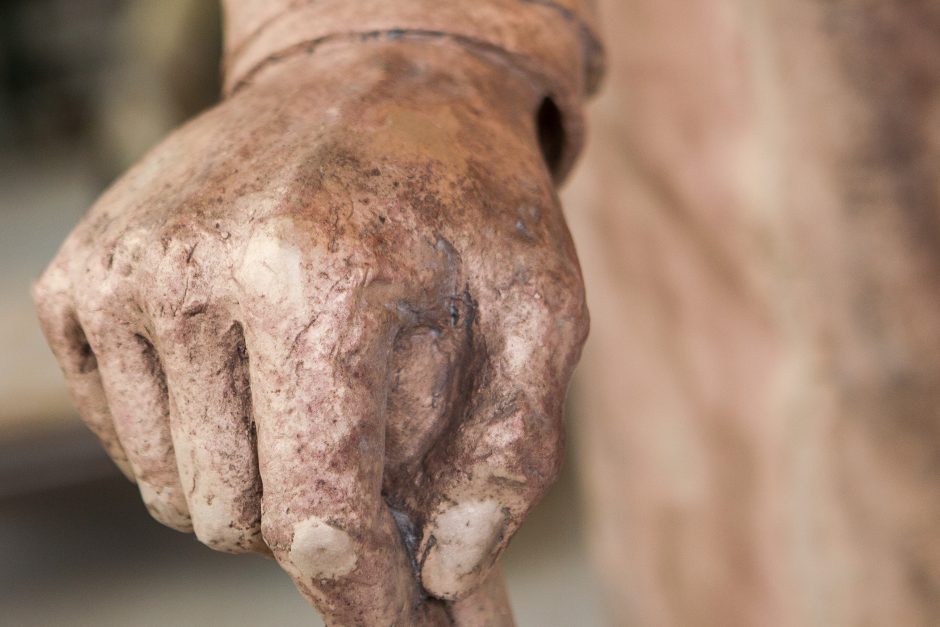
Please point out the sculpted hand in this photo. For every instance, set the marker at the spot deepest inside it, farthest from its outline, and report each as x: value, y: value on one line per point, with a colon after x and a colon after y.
x: 334, y: 320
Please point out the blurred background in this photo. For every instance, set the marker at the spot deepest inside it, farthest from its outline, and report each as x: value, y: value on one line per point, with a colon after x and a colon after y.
x: 87, y: 86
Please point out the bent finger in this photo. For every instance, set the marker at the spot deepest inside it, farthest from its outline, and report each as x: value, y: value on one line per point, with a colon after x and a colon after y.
x: 318, y: 364
x: 507, y: 450
x: 66, y: 338
x: 135, y: 387
x: 213, y: 431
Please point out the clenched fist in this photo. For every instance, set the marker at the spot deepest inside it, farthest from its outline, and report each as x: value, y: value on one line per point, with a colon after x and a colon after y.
x: 333, y: 319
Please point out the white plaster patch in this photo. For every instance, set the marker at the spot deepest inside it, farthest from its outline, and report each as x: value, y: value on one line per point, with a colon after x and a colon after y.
x: 321, y: 551
x: 465, y: 536
x: 273, y: 269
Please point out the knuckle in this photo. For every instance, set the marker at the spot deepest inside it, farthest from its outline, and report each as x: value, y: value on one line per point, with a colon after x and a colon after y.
x: 313, y: 547
x: 96, y: 315
x: 126, y: 254
x: 225, y: 517
x: 544, y: 337
x: 53, y: 300
x: 534, y: 448
x: 174, y: 247
x: 53, y: 318
x: 165, y: 505
x: 466, y: 537
x: 221, y: 533
x: 48, y: 291
x: 559, y: 318
x: 185, y: 282
x: 282, y: 261
x: 561, y: 297
x: 99, y: 300
x: 519, y: 453
x: 271, y: 271
x: 215, y: 534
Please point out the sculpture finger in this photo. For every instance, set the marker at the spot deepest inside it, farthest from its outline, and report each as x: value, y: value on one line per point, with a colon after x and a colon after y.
x: 318, y: 364
x: 206, y: 367
x: 66, y: 338
x: 505, y: 452
x: 135, y: 387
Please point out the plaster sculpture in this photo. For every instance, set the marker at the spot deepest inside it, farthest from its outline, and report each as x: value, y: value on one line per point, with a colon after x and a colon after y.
x: 333, y: 318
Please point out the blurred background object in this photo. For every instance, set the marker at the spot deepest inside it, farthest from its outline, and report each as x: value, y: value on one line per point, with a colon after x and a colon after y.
x: 758, y: 219
x: 86, y: 87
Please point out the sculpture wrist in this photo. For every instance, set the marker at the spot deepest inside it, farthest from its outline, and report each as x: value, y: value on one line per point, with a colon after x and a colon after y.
x: 554, y: 42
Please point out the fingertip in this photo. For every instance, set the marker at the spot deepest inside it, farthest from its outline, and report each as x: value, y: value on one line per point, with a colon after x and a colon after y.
x: 461, y: 544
